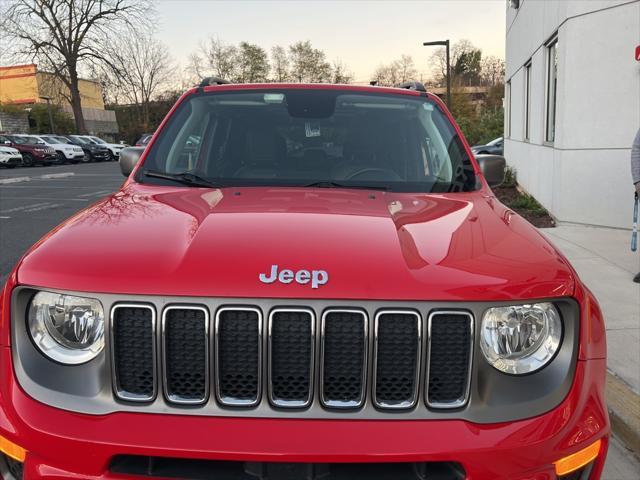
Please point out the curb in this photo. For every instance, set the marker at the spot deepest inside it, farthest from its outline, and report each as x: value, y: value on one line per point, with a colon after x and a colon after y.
x: 4, y: 181
x: 624, y: 412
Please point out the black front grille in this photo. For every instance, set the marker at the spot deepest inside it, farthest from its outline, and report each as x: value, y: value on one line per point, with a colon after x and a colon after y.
x: 189, y: 373
x: 397, y: 357
x: 291, y: 357
x: 343, y: 358
x: 449, y: 355
x: 134, y: 352
x: 186, y: 354
x: 239, y: 341
x: 160, y: 467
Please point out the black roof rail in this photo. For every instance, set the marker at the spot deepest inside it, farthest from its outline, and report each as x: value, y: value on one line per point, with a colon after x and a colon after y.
x: 207, y: 81
x: 413, y: 86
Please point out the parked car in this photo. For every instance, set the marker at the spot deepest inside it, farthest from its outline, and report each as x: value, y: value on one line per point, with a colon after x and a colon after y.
x: 302, y: 282
x: 144, y: 140
x: 494, y: 147
x: 114, y: 148
x: 92, y: 151
x: 33, y: 152
x: 9, y: 157
x: 66, y: 152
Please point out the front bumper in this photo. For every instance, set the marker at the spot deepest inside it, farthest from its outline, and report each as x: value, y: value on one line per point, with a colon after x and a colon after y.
x: 101, y: 155
x: 63, y: 444
x: 10, y: 161
x: 46, y: 158
x: 74, y: 155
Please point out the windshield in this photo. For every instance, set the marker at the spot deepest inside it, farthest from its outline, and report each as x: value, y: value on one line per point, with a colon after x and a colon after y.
x: 50, y: 140
x: 27, y: 140
x: 62, y: 140
x: 307, y: 137
x: 97, y: 140
x: 495, y: 141
x: 83, y: 141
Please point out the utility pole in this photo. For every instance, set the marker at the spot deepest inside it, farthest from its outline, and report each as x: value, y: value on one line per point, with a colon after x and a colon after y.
x: 48, y: 100
x: 444, y: 43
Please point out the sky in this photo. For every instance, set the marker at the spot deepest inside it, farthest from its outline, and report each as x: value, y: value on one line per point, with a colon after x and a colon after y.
x: 363, y: 34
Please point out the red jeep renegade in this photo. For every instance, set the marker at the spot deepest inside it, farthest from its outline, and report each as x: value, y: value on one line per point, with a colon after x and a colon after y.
x: 301, y: 282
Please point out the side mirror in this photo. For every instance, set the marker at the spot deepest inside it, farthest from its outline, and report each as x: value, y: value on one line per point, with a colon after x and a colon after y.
x: 7, y: 142
x: 129, y: 158
x: 493, y: 168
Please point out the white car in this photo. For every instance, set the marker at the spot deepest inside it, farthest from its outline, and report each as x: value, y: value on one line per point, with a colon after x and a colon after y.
x: 66, y: 151
x: 114, y: 148
x: 9, y: 157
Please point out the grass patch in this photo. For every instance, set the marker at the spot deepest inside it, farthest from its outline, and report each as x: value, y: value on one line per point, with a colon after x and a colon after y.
x: 527, y: 202
x: 510, y: 179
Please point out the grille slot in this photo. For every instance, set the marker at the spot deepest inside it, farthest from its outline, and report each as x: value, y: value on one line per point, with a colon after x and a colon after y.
x: 239, y: 352
x: 344, y: 359
x: 397, y: 359
x: 449, y: 361
x: 291, y: 338
x: 186, y: 354
x: 134, y: 352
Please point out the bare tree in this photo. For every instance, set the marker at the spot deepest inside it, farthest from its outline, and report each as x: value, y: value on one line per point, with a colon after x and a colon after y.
x: 216, y: 58
x: 279, y: 64
x: 65, y: 36
x: 492, y: 70
x: 396, y: 72
x: 141, y: 66
x: 340, y: 73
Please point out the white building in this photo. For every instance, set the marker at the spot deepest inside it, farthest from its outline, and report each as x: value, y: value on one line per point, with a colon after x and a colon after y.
x: 572, y: 105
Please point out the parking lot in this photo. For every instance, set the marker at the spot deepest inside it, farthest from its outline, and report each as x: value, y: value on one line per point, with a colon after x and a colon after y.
x: 39, y: 198
x: 35, y: 200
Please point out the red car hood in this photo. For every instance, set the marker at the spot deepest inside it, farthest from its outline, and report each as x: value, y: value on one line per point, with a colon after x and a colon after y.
x: 373, y: 245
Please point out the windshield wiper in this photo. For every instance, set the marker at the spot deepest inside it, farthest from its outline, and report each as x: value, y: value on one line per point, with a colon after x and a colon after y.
x: 186, y: 178
x: 332, y: 184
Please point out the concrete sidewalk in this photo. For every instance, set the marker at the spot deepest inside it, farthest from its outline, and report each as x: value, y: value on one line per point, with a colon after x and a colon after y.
x: 604, y: 261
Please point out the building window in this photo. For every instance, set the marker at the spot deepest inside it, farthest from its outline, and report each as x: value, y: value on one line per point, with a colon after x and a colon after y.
x: 552, y: 89
x: 527, y: 100
x: 507, y: 110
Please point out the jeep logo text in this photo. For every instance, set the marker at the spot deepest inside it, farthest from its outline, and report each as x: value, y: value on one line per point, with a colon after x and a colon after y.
x: 316, y: 277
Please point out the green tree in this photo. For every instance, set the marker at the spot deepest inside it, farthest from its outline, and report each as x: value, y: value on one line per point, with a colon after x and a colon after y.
x: 279, y: 64
x: 253, y: 64
x: 308, y: 64
x: 39, y: 120
x: 466, y: 69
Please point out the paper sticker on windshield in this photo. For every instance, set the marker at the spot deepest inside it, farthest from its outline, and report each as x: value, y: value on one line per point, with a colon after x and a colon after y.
x: 312, y: 129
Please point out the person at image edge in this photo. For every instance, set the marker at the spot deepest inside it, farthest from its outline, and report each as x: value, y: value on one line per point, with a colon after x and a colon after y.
x: 635, y: 174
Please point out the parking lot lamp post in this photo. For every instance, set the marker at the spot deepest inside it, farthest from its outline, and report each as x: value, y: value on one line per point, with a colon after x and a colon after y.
x: 48, y: 100
x: 444, y: 43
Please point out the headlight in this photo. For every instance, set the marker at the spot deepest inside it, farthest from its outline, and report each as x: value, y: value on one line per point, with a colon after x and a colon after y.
x: 66, y: 328
x: 522, y: 338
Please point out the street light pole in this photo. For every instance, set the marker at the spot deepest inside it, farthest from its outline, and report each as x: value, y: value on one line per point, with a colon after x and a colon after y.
x: 48, y: 100
x: 444, y: 43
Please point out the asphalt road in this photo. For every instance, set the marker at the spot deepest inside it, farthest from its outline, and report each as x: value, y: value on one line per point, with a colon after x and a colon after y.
x: 29, y: 209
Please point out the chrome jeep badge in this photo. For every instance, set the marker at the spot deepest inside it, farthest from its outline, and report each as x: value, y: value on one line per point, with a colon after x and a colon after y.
x: 316, y: 277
